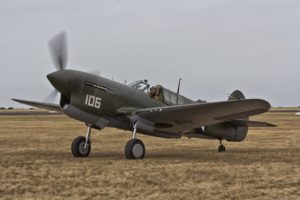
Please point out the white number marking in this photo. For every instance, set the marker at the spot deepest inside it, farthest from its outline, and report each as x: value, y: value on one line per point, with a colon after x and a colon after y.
x: 93, y: 101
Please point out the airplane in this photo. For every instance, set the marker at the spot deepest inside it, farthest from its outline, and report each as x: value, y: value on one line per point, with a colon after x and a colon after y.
x: 156, y: 111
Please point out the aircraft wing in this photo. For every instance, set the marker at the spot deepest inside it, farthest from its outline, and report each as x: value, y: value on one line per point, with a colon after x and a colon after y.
x: 186, y: 117
x: 42, y: 105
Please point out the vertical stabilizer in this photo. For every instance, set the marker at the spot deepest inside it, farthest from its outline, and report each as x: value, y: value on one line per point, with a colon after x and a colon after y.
x: 236, y: 95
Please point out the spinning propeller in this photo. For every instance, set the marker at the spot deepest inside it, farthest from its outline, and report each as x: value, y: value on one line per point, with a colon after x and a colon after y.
x: 58, y: 50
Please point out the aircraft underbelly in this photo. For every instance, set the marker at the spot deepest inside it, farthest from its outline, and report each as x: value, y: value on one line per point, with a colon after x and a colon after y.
x: 88, y: 118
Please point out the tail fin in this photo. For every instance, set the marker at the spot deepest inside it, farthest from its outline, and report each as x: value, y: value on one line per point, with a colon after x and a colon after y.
x: 236, y: 95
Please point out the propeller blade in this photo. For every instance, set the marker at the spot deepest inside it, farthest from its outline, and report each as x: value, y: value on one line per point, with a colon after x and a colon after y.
x: 58, y: 50
x: 52, y: 96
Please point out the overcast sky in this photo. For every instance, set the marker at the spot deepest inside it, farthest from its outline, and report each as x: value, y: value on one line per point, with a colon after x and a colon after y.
x: 217, y: 46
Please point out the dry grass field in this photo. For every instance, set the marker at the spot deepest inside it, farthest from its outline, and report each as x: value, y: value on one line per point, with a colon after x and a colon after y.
x: 36, y: 163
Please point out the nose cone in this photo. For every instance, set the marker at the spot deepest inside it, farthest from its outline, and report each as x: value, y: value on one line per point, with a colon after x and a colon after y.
x: 61, y: 81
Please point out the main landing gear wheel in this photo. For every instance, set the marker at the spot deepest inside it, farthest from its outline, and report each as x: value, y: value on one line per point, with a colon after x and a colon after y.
x: 79, y: 147
x: 135, y: 149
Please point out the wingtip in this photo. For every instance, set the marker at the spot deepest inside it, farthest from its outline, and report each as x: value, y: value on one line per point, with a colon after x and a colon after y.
x: 19, y: 100
x: 265, y: 104
x: 268, y: 105
x: 272, y: 125
x: 13, y: 99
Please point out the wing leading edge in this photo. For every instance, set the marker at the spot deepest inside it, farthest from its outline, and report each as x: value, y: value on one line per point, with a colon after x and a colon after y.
x: 42, y: 105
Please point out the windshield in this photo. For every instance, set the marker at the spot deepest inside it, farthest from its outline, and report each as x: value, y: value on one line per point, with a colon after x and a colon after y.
x: 140, y: 85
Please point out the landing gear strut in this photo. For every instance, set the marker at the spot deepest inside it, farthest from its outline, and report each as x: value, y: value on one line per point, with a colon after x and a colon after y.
x: 135, y: 148
x: 81, y: 146
x: 221, y: 147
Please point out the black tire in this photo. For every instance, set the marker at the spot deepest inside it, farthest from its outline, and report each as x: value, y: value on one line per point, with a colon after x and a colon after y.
x: 135, y: 149
x: 221, y: 148
x: 77, y: 147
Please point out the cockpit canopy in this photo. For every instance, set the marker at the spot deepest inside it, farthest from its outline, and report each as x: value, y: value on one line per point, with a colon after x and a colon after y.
x: 160, y: 93
x: 140, y: 85
x: 167, y: 96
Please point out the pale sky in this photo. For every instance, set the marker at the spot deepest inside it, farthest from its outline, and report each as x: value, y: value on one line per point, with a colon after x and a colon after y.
x: 220, y: 45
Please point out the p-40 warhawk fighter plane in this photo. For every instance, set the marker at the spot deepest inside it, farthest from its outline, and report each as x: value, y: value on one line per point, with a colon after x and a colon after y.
x: 156, y: 111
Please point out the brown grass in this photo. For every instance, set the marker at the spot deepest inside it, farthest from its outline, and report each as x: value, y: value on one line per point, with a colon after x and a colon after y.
x: 36, y: 163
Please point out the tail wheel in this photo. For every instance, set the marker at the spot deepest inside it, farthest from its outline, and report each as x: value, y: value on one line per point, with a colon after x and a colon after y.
x: 135, y: 149
x: 221, y: 148
x: 79, y: 147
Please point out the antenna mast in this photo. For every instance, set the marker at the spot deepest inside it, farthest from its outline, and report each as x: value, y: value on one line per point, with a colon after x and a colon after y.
x: 178, y: 89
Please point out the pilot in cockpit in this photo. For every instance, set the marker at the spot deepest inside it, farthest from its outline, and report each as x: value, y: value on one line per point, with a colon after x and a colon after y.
x: 152, y: 92
x: 155, y: 93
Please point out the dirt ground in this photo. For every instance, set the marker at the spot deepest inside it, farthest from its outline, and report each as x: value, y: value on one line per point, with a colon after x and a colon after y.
x: 36, y: 163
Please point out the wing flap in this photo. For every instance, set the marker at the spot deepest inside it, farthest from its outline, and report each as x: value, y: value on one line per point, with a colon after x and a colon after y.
x: 244, y: 123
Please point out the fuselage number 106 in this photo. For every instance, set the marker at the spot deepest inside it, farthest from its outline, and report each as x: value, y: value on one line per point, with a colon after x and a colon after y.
x: 93, y: 101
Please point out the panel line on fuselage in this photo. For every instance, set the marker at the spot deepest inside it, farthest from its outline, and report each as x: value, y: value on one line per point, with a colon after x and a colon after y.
x: 88, y: 83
